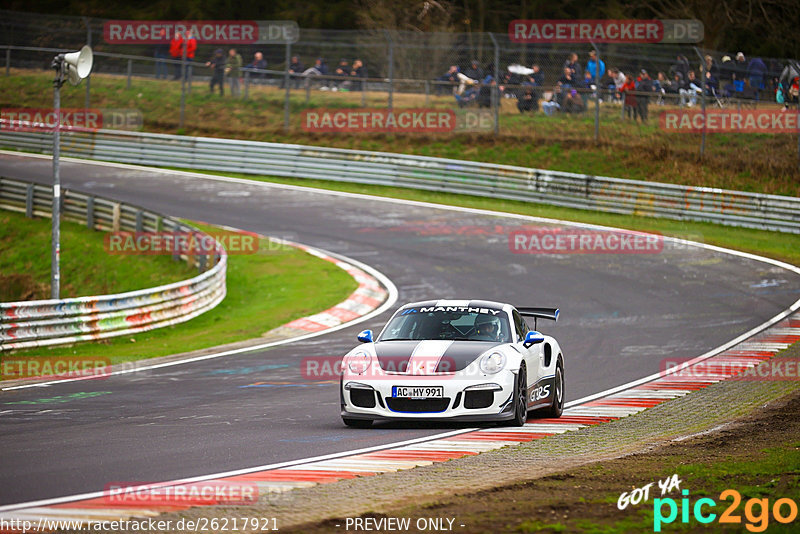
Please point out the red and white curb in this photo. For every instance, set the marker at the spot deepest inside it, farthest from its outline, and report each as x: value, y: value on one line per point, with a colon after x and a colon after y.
x: 368, y: 296
x: 682, y: 380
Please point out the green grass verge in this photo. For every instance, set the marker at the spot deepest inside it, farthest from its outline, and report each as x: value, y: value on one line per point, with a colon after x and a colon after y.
x: 749, y: 162
x: 776, y: 245
x: 265, y: 290
x: 86, y: 268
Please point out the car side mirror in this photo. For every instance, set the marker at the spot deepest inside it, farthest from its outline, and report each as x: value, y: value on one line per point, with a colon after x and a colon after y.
x: 365, y: 336
x: 532, y: 338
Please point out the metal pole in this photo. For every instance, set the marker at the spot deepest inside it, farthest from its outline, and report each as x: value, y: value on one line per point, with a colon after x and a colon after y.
x: 596, y: 95
x: 130, y: 68
x: 55, y: 244
x: 286, y: 85
x: 87, y: 98
x: 702, y: 100
x: 8, y: 61
x: 495, y: 94
x: 183, y: 86
x: 391, y: 68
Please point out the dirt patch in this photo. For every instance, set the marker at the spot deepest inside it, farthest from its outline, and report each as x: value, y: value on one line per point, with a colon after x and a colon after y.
x: 16, y: 286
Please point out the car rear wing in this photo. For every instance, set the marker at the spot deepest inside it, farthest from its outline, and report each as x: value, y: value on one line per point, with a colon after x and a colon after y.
x: 539, y: 313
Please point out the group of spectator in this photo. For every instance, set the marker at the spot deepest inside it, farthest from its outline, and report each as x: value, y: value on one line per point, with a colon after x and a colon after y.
x: 731, y: 78
x: 231, y: 66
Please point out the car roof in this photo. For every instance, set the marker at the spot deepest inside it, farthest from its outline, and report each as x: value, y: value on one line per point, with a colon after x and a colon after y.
x: 459, y: 303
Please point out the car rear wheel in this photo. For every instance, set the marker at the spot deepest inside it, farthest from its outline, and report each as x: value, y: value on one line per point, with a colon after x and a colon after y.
x: 357, y: 423
x: 557, y: 407
x: 521, y: 397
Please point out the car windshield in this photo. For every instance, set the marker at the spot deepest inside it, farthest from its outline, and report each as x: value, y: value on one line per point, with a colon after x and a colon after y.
x: 479, y: 324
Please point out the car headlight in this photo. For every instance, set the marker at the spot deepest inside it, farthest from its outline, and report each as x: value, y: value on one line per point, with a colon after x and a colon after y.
x: 359, y: 362
x: 493, y: 363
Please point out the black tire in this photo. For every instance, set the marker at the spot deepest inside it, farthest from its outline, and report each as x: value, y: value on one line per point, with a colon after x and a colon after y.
x: 520, y: 397
x: 557, y: 407
x: 357, y: 423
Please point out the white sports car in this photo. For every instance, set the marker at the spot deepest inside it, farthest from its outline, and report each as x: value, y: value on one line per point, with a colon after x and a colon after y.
x: 457, y: 360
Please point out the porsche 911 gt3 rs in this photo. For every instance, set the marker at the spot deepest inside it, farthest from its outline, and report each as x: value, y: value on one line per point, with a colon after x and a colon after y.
x: 455, y: 360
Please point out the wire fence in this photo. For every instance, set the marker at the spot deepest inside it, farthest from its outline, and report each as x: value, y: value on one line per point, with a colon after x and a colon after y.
x: 395, y: 69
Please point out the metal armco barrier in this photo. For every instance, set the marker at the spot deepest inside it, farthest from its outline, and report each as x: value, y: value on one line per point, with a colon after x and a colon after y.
x: 39, y: 323
x: 615, y: 195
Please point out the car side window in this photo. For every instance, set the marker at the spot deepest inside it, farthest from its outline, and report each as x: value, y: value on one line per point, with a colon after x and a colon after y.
x: 520, y: 326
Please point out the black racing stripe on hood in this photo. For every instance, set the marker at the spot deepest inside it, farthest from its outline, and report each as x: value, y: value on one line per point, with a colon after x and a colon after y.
x: 394, y: 355
x: 462, y: 353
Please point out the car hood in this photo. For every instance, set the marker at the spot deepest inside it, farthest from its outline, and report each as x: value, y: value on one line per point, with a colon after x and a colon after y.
x: 429, y: 356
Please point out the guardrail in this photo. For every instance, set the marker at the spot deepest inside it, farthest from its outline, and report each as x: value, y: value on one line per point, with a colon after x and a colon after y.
x: 39, y: 323
x: 615, y: 195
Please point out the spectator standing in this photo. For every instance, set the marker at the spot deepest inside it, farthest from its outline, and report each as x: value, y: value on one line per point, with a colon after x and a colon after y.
x: 645, y: 88
x: 258, y: 63
x: 712, y: 67
x: 618, y: 78
x: 573, y: 64
x: 161, y: 53
x: 681, y: 65
x: 726, y: 70
x: 739, y: 72
x: 756, y: 73
x: 343, y: 70
x: 176, y: 51
x: 359, y: 72
x: 217, y: 65
x: 660, y: 86
x: 233, y: 70
x: 191, y: 49
x: 295, y: 70
x: 595, y: 66
x: 629, y: 98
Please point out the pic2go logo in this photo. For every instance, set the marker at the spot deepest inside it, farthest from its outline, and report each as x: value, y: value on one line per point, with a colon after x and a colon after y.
x: 756, y: 511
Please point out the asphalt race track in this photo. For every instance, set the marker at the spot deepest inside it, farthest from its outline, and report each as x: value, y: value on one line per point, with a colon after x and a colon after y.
x: 622, y: 314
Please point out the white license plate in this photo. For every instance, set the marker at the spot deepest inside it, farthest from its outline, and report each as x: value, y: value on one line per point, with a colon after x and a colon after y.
x: 418, y: 392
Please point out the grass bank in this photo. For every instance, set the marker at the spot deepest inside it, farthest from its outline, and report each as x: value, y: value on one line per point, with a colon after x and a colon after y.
x: 86, y: 268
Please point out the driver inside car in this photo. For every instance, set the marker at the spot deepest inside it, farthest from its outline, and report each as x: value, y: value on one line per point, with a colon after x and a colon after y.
x: 487, y: 328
